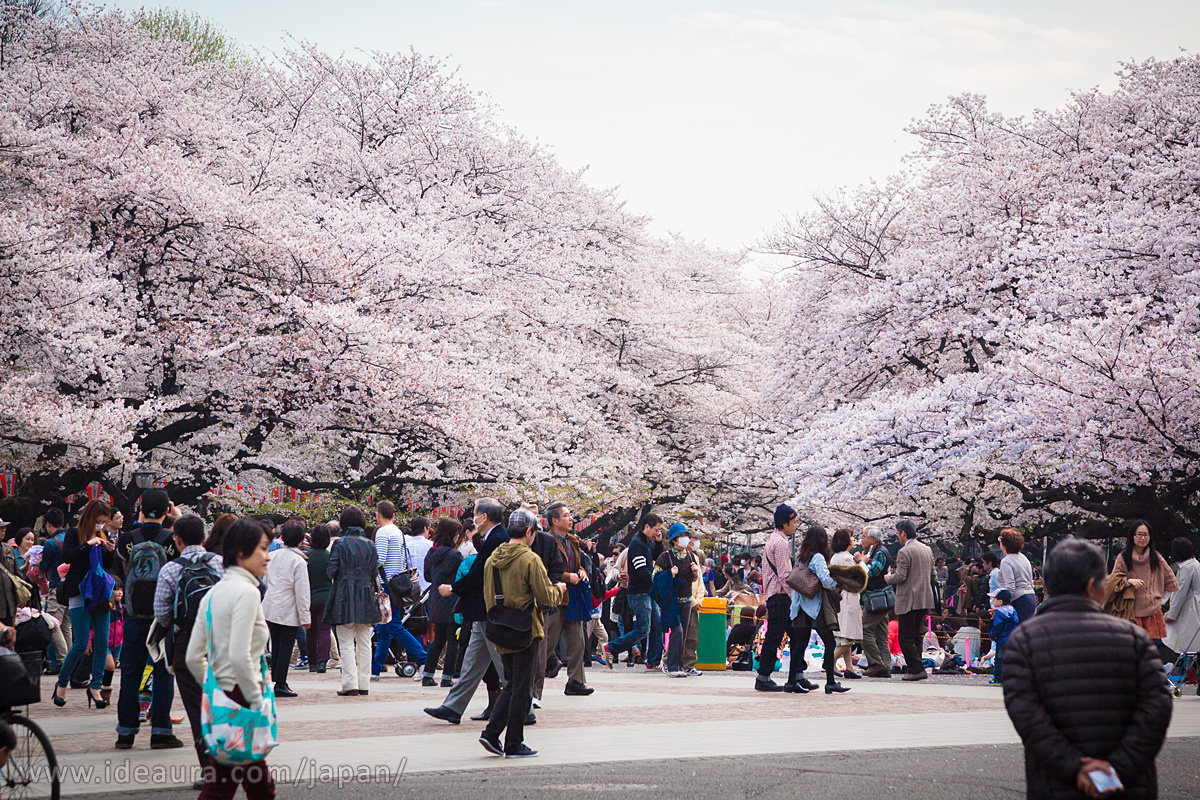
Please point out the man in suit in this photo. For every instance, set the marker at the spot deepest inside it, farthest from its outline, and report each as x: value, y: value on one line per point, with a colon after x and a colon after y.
x: 469, y: 588
x: 914, y: 579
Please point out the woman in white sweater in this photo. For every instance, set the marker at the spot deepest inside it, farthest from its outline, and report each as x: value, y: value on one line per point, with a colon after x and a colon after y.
x: 238, y: 641
x: 287, y: 604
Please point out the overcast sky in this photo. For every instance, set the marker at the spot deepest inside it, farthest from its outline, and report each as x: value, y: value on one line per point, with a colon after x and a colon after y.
x: 716, y: 118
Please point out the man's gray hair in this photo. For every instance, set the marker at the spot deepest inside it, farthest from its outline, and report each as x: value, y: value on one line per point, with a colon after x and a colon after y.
x: 491, y: 507
x: 873, y: 532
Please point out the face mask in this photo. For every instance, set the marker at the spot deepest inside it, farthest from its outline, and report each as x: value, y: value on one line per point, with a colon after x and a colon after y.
x: 682, y: 542
x: 99, y: 527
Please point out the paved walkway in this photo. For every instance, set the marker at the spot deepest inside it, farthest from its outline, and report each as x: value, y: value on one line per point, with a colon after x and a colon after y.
x: 324, y: 736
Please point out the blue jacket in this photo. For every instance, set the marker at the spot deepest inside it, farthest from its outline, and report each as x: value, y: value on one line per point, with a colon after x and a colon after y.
x: 1004, y: 622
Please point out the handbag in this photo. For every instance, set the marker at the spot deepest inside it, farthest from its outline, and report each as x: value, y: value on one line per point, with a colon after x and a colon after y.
x: 801, y: 579
x: 403, y: 586
x: 97, y: 586
x: 876, y: 601
x: 233, y: 733
x: 385, y: 607
x: 17, y: 686
x: 507, y: 627
x: 579, y: 602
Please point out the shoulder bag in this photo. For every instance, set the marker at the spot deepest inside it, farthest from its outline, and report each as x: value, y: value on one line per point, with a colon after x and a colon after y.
x: 507, y: 627
x: 801, y: 579
x: 233, y: 733
x: 404, y: 587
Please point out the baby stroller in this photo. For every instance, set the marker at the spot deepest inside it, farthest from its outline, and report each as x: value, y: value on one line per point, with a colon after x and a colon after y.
x: 415, y: 622
x: 1185, y: 666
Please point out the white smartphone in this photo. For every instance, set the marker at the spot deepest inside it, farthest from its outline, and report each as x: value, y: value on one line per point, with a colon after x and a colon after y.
x: 1105, y: 782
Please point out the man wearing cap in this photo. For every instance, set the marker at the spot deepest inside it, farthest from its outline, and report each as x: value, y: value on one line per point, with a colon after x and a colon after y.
x: 1004, y: 622
x: 523, y: 584
x: 914, y: 578
x: 154, y: 508
x: 777, y: 566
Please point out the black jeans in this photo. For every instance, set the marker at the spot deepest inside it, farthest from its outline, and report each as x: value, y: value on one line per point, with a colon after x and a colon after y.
x: 443, y: 636
x: 911, y: 627
x: 283, y: 639
x: 802, y: 628
x: 190, y: 693
x: 778, y: 623
x: 512, y: 705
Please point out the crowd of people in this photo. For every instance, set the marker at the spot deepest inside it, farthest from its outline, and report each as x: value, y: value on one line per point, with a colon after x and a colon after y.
x: 507, y: 599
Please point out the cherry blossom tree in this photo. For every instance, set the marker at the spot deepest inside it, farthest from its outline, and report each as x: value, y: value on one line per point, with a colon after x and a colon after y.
x: 333, y: 273
x: 1010, y: 330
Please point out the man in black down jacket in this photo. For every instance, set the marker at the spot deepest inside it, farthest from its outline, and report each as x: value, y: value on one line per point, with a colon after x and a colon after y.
x: 1086, y: 691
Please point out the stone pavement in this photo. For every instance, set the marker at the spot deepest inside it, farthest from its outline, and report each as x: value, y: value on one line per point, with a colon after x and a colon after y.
x: 634, y: 715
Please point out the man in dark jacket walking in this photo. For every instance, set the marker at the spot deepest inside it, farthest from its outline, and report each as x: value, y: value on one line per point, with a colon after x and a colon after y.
x: 469, y: 588
x: 641, y: 569
x: 1085, y: 690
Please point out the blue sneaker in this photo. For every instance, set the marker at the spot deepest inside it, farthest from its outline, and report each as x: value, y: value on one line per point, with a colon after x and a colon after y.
x: 491, y: 745
x: 524, y: 752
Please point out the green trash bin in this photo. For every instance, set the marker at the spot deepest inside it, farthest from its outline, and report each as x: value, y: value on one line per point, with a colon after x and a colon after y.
x: 710, y: 649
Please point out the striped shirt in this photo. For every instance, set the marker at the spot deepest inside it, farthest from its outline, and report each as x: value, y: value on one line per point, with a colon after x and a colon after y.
x: 777, y: 564
x: 389, y: 545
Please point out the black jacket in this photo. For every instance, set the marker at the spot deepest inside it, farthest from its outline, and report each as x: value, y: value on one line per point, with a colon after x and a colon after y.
x: 441, y: 567
x: 470, y: 586
x: 1079, y: 682
x: 640, y: 563
x: 79, y: 556
x: 546, y: 548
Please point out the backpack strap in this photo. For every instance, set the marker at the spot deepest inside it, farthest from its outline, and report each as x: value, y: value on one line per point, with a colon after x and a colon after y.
x: 497, y: 590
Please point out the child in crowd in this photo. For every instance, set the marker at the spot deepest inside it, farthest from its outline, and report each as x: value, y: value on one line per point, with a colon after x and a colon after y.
x: 1004, y: 622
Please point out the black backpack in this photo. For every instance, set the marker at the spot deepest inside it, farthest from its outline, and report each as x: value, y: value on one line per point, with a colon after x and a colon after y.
x: 196, y: 577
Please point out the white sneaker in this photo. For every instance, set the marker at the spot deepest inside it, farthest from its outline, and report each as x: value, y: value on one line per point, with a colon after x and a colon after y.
x: 664, y: 669
x: 537, y: 703
x: 418, y: 676
x: 679, y: 674
x: 693, y: 672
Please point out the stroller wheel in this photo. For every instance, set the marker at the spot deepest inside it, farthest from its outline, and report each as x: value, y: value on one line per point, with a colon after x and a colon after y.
x: 408, y: 670
x: 1178, y: 692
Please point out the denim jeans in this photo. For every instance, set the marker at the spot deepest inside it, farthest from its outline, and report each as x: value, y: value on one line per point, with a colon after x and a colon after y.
x: 640, y: 606
x: 654, y: 642
x: 395, y: 630
x: 82, y: 621
x: 133, y: 665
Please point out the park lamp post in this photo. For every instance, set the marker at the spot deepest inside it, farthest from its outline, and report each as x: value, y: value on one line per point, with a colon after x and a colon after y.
x: 144, y: 479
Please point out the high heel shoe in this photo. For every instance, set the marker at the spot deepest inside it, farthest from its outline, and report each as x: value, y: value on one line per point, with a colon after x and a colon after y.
x: 59, y: 701
x: 100, y: 702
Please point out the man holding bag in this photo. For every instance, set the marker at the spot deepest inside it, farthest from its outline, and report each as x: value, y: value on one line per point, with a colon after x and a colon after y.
x: 515, y: 578
x: 878, y: 600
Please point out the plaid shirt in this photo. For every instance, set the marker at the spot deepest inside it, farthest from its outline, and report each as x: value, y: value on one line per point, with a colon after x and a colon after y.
x: 168, y: 581
x: 777, y: 564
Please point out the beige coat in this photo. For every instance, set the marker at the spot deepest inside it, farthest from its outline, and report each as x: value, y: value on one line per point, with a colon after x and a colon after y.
x: 288, y: 599
x: 913, y: 578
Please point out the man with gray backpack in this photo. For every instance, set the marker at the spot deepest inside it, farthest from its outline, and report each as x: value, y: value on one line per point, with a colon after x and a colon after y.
x: 182, y: 584
x: 144, y: 550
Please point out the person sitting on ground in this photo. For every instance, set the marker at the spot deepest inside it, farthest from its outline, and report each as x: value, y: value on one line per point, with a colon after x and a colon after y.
x: 1086, y: 691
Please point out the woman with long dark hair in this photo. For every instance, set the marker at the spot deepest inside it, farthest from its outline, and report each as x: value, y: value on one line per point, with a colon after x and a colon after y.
x: 1150, y: 576
x: 318, y: 587
x: 216, y: 536
x: 807, y: 615
x: 850, y: 626
x: 96, y: 530
x: 441, y: 566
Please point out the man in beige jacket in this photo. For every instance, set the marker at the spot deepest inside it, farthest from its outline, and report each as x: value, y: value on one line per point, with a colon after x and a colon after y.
x: 914, y: 578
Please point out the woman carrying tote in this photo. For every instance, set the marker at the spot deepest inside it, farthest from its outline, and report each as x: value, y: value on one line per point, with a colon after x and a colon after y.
x: 1150, y: 576
x: 807, y: 615
x: 233, y: 645
x: 94, y: 540
x: 352, y: 610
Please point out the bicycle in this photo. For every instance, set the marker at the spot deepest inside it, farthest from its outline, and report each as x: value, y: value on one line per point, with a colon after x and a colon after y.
x: 32, y: 768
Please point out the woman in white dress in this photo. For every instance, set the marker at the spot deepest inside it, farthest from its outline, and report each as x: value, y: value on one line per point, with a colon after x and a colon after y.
x: 850, y: 630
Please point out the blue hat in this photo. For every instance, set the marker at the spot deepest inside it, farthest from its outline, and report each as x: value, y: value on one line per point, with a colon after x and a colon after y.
x: 784, y: 514
x: 1003, y: 595
x: 676, y: 530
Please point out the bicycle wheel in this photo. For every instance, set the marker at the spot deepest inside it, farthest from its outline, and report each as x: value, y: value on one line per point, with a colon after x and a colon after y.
x: 32, y: 769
